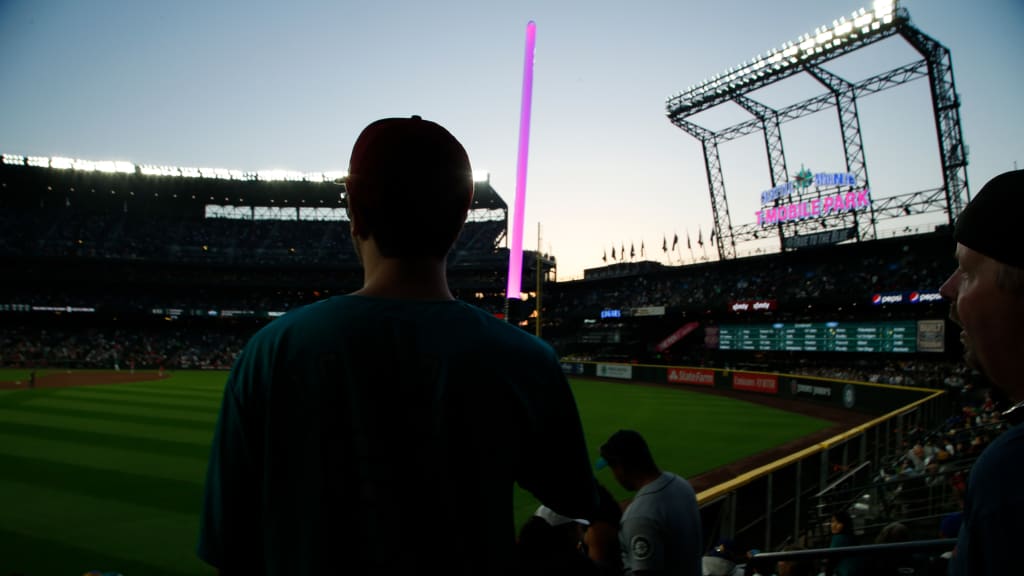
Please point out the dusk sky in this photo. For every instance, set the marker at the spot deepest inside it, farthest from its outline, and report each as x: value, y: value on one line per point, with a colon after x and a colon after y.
x: 289, y: 85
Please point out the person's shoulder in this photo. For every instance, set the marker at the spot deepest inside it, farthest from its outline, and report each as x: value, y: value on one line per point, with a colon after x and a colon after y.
x: 1004, y: 453
x: 676, y: 478
x: 508, y: 334
x: 298, y: 315
x: 296, y: 320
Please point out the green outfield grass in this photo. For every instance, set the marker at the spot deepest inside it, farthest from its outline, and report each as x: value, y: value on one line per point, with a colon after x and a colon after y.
x: 110, y: 477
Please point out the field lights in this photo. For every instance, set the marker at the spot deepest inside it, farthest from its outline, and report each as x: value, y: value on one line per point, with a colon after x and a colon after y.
x: 862, y: 23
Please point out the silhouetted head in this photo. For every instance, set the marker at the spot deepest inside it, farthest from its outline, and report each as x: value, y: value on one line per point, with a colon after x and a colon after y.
x: 409, y: 187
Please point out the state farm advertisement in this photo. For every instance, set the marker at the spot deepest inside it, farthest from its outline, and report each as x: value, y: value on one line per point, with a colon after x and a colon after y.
x: 761, y: 383
x: 694, y: 376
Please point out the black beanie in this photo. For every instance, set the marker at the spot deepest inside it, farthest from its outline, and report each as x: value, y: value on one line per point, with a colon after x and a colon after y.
x: 989, y: 223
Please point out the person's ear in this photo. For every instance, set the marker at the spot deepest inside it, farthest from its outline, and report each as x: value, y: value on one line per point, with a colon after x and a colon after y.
x: 356, y: 221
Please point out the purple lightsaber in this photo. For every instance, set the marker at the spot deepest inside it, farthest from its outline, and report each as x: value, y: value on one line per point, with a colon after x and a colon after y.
x: 515, y: 256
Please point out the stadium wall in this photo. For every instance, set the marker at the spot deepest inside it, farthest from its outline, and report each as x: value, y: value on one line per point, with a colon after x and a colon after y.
x: 863, y: 397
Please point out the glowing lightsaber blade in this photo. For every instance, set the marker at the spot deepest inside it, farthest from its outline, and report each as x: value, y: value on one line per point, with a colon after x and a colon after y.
x: 515, y: 255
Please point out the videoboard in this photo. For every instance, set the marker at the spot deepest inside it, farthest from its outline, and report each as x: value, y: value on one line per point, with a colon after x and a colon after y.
x: 892, y: 336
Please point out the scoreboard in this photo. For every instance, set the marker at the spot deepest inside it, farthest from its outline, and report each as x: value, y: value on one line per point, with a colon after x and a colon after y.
x: 895, y: 336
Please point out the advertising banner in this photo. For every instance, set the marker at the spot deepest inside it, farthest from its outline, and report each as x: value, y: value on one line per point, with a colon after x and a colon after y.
x: 676, y: 336
x: 797, y: 388
x: 751, y: 305
x: 622, y: 371
x: 694, y: 376
x: 761, y: 383
x: 574, y: 368
x: 649, y: 311
x: 911, y: 297
x: 819, y: 238
x: 931, y: 335
x: 711, y: 337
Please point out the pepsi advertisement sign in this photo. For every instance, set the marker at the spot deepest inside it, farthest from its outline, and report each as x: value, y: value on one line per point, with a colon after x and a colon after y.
x: 913, y: 297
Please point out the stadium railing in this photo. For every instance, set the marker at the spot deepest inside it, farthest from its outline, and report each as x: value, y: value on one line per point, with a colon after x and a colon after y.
x: 789, y: 497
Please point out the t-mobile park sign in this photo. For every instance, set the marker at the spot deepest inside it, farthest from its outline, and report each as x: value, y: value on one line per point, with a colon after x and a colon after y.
x: 815, y: 208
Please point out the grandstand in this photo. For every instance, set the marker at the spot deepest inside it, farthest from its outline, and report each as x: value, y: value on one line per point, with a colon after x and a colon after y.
x: 91, y: 243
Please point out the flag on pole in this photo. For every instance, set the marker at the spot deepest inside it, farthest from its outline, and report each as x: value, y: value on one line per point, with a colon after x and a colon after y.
x: 613, y: 252
x: 642, y: 251
x: 632, y: 250
x: 604, y: 257
x: 675, y: 240
x: 700, y: 237
x: 664, y: 243
x: 712, y: 241
x: 688, y: 245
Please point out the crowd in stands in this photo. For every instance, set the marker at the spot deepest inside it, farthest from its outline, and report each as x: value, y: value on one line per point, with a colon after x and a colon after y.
x: 844, y: 276
x: 117, y: 349
x: 934, y: 373
x: 128, y: 235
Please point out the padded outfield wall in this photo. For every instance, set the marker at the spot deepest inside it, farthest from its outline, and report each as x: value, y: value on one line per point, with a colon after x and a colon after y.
x: 860, y: 396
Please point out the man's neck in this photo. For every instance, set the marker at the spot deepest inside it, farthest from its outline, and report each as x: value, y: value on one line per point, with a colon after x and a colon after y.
x: 406, y: 280
x: 645, y: 479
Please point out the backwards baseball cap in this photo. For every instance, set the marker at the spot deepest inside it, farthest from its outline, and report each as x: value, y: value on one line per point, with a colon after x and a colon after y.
x: 555, y: 519
x: 725, y: 548
x: 410, y: 184
x: 406, y: 151
x: 626, y: 447
x: 988, y: 223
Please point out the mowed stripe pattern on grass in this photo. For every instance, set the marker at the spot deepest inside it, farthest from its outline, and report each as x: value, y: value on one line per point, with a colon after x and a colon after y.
x: 111, y: 477
x: 105, y: 477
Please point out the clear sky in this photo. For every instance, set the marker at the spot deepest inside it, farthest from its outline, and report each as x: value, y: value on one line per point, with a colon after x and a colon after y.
x: 288, y: 85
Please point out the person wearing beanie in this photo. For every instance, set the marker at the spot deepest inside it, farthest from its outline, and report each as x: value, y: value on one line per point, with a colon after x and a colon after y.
x: 350, y: 424
x: 986, y: 292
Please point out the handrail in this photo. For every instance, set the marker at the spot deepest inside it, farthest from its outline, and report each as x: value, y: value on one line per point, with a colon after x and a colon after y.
x: 862, y: 550
x: 842, y: 479
x: 716, y: 492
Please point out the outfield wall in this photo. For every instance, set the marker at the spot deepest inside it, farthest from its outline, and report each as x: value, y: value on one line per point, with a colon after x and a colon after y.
x: 865, y: 397
x: 794, y: 495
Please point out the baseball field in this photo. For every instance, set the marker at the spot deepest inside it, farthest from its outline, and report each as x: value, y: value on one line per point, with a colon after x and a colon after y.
x: 104, y: 471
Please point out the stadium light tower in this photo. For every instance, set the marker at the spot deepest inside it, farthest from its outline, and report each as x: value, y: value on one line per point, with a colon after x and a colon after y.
x: 807, y: 54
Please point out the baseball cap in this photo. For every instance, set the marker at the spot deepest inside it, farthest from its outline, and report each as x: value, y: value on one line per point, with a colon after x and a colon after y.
x: 626, y: 447
x: 725, y: 548
x: 988, y: 223
x: 555, y: 519
x: 407, y: 151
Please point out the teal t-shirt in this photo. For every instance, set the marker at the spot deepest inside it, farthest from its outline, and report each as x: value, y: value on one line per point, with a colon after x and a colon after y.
x: 368, y: 433
x: 991, y: 527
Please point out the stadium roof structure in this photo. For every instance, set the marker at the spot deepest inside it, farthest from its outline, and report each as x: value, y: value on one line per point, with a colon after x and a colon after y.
x: 252, y: 187
x: 807, y: 54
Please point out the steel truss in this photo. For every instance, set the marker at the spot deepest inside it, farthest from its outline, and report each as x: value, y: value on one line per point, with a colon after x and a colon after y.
x: 842, y: 95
